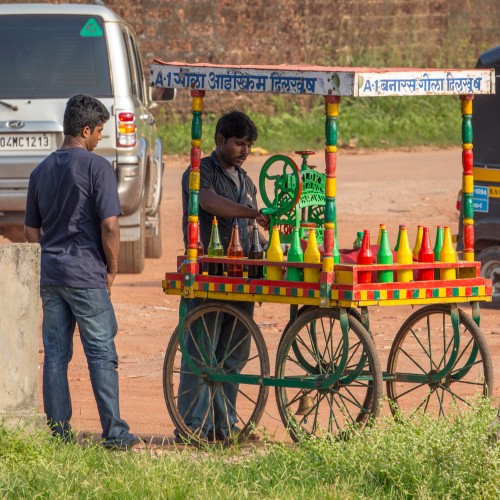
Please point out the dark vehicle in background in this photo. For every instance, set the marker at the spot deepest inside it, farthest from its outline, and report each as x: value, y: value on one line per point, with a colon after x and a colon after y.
x: 50, y: 52
x: 486, y: 170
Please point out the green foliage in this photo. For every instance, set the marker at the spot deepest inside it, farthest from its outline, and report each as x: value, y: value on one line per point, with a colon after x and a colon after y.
x: 424, y: 458
x: 287, y: 125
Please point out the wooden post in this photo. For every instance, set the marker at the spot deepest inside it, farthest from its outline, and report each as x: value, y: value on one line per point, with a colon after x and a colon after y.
x: 467, y: 178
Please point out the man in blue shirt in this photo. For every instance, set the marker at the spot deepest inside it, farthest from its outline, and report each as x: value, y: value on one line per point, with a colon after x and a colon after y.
x: 72, y: 210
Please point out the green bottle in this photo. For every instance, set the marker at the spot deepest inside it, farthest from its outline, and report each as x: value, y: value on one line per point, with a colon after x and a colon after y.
x: 437, y: 248
x: 358, y: 240
x: 384, y: 256
x: 295, y: 254
x: 215, y: 249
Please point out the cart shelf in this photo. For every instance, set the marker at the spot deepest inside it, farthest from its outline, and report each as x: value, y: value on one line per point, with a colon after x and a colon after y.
x: 340, y: 288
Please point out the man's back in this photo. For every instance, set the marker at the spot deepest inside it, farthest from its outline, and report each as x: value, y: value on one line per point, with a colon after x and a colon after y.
x: 70, y: 193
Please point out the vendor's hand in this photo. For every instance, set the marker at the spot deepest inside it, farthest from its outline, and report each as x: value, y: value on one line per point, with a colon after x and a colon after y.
x: 263, y: 221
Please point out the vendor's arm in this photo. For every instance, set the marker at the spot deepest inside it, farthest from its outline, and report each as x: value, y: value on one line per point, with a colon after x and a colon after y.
x: 219, y: 206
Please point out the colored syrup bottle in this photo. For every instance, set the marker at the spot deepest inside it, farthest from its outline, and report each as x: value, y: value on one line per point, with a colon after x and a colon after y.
x: 358, y: 240
x: 295, y: 254
x: 312, y: 256
x: 426, y: 254
x: 379, y: 237
x: 447, y: 254
x: 235, y: 251
x: 256, y: 252
x: 418, y: 242
x: 336, y: 251
x: 215, y: 249
x: 438, y: 245
x: 274, y: 254
x: 401, y: 226
x: 384, y: 256
x: 404, y: 255
x: 201, y: 249
x: 365, y: 256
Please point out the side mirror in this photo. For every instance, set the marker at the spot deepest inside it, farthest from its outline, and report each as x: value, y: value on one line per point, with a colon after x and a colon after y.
x: 160, y: 94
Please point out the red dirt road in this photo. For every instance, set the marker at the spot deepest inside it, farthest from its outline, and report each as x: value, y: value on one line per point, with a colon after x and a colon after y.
x: 393, y: 188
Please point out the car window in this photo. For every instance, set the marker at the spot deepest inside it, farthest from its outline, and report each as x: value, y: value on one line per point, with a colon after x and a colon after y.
x: 134, y: 84
x: 138, y: 68
x: 53, y: 56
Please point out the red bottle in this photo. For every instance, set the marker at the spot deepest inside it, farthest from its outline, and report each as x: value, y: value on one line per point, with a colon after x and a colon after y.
x: 426, y: 254
x: 201, y: 249
x: 365, y: 256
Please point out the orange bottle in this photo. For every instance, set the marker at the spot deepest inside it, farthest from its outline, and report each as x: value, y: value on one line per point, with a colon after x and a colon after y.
x: 235, y: 251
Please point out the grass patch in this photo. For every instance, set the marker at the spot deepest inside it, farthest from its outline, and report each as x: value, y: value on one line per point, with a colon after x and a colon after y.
x: 447, y: 458
x: 288, y: 125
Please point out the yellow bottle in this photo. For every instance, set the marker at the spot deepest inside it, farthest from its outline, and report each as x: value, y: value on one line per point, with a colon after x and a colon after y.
x: 404, y: 255
x: 312, y: 256
x: 418, y: 242
x: 381, y: 228
x: 447, y: 254
x: 274, y: 254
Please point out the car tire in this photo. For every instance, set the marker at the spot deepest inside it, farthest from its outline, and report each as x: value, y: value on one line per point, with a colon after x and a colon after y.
x: 153, y: 243
x: 490, y: 269
x: 133, y: 253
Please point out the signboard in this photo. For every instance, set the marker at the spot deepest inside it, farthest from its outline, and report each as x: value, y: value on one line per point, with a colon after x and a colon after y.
x: 480, y: 199
x: 322, y: 80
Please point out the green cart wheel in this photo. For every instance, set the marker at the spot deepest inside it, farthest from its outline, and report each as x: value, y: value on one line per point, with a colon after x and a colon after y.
x: 315, y: 348
x: 280, y: 184
x: 429, y: 372
x: 212, y: 366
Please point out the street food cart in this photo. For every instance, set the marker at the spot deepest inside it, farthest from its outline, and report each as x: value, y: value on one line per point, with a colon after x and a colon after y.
x: 327, y: 375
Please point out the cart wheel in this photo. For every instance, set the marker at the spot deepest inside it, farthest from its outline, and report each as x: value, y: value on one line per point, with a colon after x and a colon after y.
x: 311, y: 350
x: 421, y: 348
x: 234, y: 421
x: 280, y: 183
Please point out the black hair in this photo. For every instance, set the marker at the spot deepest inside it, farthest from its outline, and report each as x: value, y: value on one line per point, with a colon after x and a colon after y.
x: 236, y: 124
x: 83, y: 111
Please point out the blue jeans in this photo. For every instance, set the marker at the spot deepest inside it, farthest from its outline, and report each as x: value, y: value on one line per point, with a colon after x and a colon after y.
x: 91, y: 309
x: 199, y: 403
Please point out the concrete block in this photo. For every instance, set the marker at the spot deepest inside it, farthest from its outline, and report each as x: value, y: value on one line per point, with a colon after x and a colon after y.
x: 19, y: 330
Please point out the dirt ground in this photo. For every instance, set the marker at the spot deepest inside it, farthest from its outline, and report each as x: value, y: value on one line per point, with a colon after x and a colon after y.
x: 415, y: 187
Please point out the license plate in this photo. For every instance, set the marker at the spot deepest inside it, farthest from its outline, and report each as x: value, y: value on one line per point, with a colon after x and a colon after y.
x: 25, y: 142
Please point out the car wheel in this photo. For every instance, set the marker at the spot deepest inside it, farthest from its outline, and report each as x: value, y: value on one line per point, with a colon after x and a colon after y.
x: 490, y: 269
x: 133, y: 253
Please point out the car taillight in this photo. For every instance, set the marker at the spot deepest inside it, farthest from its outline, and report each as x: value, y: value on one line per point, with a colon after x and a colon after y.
x: 126, y: 136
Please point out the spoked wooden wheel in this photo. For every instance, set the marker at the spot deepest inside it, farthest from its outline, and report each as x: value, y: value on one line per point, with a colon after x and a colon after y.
x: 337, y: 376
x: 429, y: 372
x: 206, y: 401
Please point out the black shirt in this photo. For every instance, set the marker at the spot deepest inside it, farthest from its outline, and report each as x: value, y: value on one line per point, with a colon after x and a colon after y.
x: 69, y: 194
x: 215, y: 177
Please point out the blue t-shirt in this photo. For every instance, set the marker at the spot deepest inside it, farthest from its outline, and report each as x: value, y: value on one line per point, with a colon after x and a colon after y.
x: 69, y: 194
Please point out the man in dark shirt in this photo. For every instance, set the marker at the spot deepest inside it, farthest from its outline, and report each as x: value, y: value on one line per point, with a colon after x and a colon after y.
x: 71, y: 210
x: 227, y: 192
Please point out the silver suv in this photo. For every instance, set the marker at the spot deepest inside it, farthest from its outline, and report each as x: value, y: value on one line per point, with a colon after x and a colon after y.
x: 49, y: 53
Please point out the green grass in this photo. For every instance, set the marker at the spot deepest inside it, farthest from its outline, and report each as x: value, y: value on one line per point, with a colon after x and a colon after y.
x: 286, y: 125
x: 405, y: 459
